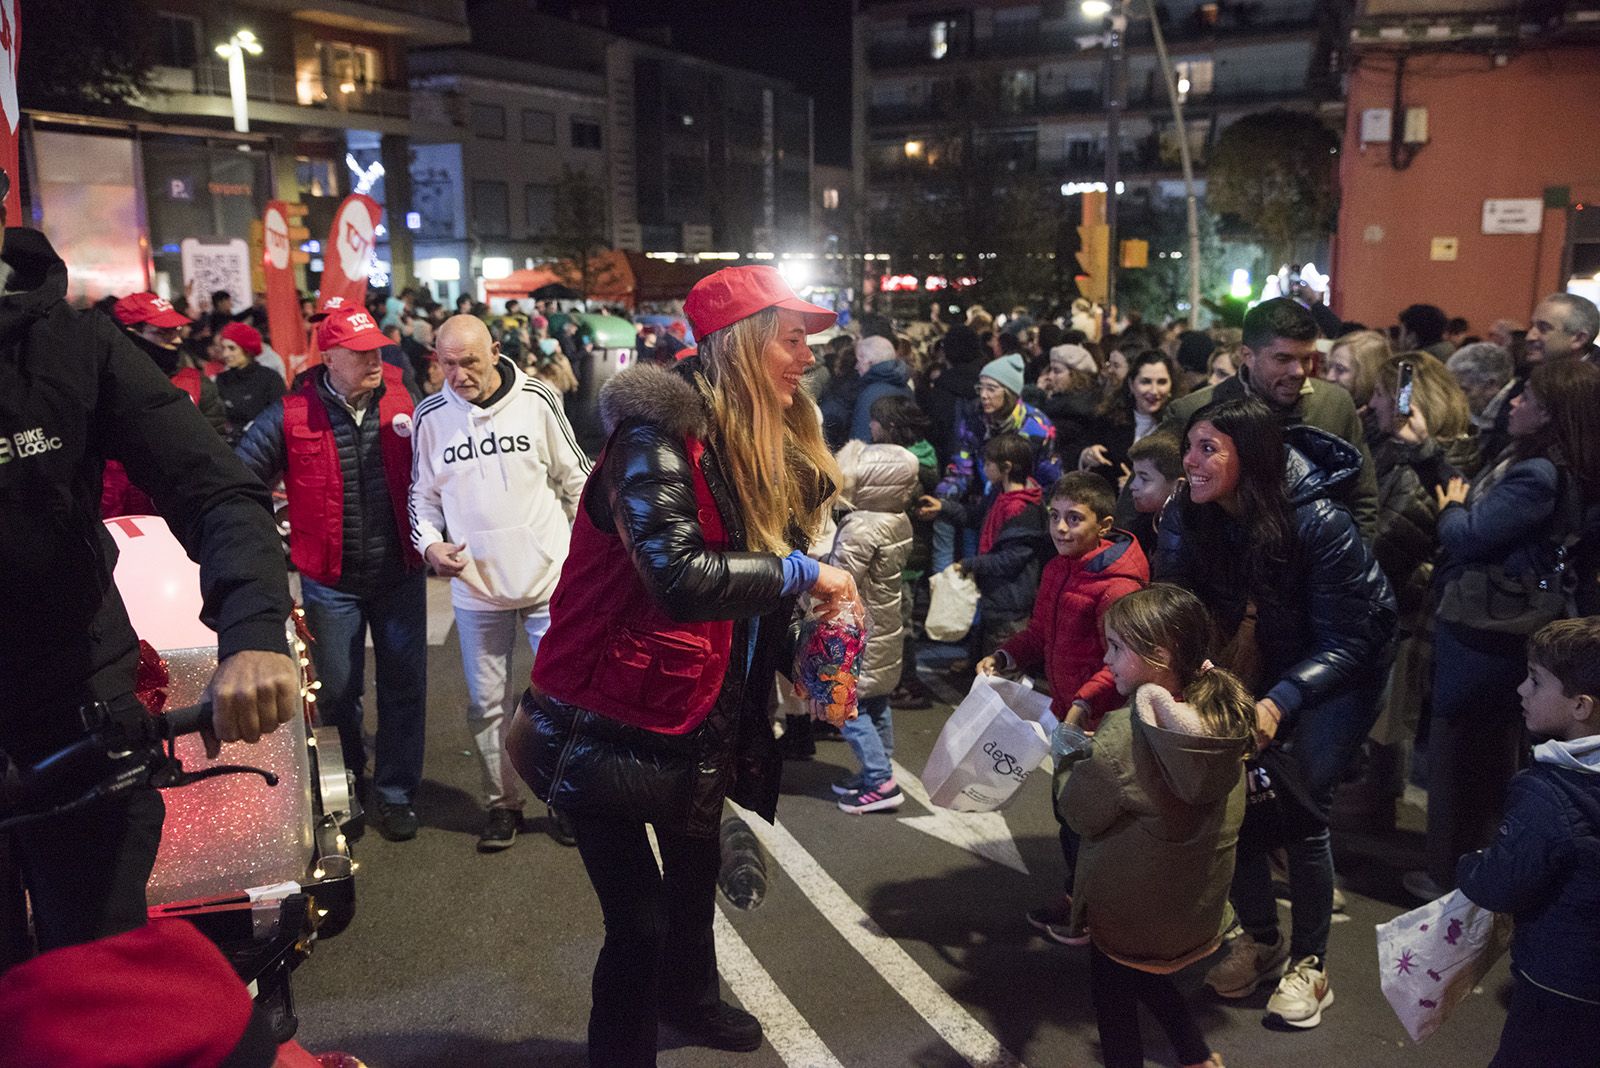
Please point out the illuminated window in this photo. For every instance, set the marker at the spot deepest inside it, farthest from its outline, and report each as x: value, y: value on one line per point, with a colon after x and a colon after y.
x: 939, y: 34
x: 830, y: 199
x: 1194, y: 77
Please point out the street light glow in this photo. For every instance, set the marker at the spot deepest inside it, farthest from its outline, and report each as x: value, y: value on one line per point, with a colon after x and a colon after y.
x: 233, y: 51
x: 913, y: 149
x: 1096, y: 9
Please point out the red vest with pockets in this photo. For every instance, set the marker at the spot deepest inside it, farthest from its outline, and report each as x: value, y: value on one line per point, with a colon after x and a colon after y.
x: 315, y: 482
x: 611, y: 649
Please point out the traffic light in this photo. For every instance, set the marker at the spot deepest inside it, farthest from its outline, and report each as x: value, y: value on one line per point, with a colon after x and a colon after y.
x: 1094, y: 249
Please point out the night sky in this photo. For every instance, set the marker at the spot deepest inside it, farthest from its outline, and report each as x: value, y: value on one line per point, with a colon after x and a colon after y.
x: 804, y: 42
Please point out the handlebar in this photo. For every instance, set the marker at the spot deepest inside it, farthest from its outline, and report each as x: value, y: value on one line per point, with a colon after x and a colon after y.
x: 189, y: 719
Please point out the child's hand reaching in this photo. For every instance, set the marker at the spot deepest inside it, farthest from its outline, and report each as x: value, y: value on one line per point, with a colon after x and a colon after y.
x: 987, y: 666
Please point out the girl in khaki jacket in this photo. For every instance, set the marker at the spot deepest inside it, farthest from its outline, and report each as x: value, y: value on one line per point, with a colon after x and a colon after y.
x: 1158, y: 803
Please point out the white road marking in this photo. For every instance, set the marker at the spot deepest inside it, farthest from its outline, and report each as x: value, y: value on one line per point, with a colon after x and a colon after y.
x: 785, y: 1029
x: 791, y: 1037
x: 942, y: 1012
x: 982, y: 833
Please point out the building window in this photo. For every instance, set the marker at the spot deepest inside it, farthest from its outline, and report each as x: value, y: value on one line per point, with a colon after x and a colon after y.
x: 540, y: 201
x: 347, y: 67
x: 585, y: 133
x: 538, y: 127
x: 490, y: 214
x: 940, y: 33
x: 177, y: 41
x: 489, y: 120
x: 830, y: 199
x: 1017, y: 91
x: 1194, y: 77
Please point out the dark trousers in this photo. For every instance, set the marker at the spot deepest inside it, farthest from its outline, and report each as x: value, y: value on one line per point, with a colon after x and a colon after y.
x: 1474, y: 741
x: 86, y: 872
x: 1118, y: 990
x: 656, y: 920
x: 1547, y: 1029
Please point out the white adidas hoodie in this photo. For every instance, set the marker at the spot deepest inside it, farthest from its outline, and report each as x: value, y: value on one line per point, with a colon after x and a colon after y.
x: 504, y: 481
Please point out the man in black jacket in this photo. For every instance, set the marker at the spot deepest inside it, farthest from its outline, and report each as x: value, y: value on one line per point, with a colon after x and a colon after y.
x: 74, y: 393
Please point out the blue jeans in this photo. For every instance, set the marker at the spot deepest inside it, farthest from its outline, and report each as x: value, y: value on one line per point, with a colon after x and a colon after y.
x: 398, y: 617
x: 951, y: 544
x: 871, y: 738
x: 1323, y: 740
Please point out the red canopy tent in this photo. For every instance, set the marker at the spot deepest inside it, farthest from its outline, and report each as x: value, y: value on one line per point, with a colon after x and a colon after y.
x: 620, y: 278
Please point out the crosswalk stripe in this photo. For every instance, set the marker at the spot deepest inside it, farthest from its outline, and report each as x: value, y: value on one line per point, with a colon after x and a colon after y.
x: 905, y: 977
x: 785, y: 1029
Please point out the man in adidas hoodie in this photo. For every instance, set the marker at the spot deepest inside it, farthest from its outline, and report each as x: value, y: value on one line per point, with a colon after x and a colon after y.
x: 496, y: 477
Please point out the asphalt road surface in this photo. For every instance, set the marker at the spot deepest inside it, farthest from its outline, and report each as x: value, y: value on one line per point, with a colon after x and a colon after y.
x: 886, y: 940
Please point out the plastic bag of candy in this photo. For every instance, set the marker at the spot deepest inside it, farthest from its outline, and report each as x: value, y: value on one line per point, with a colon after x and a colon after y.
x: 827, y: 656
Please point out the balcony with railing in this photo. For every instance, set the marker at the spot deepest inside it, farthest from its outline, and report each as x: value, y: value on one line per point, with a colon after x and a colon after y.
x: 316, y: 102
x: 909, y: 49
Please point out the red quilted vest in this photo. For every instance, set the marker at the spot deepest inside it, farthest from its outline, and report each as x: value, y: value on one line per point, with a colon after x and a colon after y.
x: 612, y: 650
x: 315, y: 483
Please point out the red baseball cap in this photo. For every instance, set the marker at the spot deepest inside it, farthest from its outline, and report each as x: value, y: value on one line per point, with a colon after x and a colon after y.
x: 149, y: 308
x: 735, y: 293
x: 350, y: 328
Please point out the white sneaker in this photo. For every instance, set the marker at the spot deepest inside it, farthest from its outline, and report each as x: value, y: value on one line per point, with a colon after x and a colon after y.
x: 1247, y: 965
x: 1301, y: 996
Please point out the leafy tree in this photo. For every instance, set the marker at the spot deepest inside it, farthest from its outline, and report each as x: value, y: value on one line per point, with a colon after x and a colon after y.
x: 579, y: 236
x: 85, y: 55
x: 1271, y: 176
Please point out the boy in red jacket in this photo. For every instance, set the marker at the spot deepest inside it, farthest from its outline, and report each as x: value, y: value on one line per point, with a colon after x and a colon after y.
x: 1094, y: 566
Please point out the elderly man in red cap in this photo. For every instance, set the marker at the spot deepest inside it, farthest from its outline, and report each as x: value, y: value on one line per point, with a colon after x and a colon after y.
x: 341, y: 440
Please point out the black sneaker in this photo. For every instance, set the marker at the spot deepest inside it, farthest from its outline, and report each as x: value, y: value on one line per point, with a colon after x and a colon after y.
x: 500, y: 831
x: 398, y: 823
x: 720, y: 1026
x: 560, y: 828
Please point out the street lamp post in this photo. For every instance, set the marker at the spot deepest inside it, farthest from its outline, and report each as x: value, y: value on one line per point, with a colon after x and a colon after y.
x: 234, y: 52
x: 1116, y: 93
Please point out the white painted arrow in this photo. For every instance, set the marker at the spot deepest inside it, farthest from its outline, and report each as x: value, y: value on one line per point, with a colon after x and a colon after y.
x: 982, y: 833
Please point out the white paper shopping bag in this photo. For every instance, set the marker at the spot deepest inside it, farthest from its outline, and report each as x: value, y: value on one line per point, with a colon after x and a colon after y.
x: 952, y: 604
x: 990, y: 744
x: 1430, y: 958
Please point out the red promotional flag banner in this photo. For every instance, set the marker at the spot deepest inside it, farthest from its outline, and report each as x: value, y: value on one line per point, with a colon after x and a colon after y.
x: 348, y: 252
x: 283, y: 300
x: 11, y: 120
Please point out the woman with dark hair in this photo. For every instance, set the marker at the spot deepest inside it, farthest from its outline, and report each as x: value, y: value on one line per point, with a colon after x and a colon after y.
x: 1283, y: 570
x: 948, y: 392
x: 1125, y: 416
x: 1513, y: 515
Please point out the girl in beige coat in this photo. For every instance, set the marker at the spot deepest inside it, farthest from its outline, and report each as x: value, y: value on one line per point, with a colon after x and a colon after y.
x: 873, y: 542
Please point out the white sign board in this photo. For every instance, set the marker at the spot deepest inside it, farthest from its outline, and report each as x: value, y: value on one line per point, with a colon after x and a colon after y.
x: 1523, y: 216
x: 212, y: 265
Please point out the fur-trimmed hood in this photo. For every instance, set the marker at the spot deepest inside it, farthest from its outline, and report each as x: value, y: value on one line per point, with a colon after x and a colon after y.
x: 665, y: 396
x: 1198, y: 765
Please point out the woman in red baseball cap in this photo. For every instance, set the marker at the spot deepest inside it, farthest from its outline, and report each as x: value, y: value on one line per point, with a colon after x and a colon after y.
x: 651, y: 688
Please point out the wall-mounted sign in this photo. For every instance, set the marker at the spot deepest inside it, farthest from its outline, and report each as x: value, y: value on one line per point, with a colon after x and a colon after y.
x: 1444, y: 248
x: 1521, y: 216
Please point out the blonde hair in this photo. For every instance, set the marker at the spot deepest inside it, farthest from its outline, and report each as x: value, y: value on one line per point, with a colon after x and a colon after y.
x: 1368, y: 350
x: 1434, y: 389
x: 1163, y: 617
x: 782, y: 475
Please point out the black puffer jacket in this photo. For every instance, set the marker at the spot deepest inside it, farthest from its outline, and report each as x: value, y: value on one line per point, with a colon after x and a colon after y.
x: 582, y: 762
x: 373, y: 556
x: 1326, y: 623
x: 1408, y: 512
x: 74, y: 392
